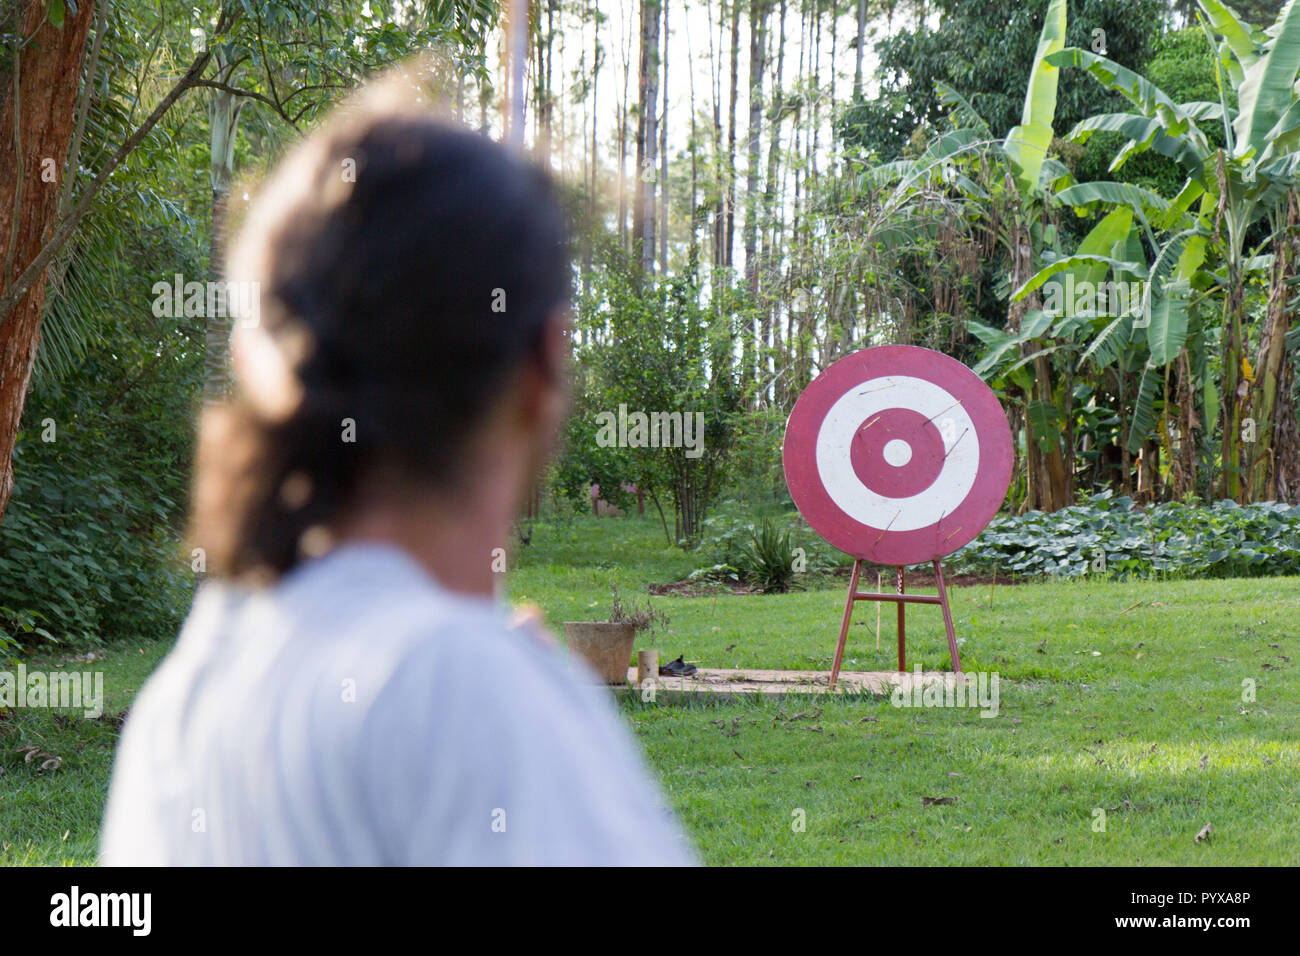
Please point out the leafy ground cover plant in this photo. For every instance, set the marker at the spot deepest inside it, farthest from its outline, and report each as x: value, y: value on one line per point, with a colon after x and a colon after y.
x: 1109, y: 536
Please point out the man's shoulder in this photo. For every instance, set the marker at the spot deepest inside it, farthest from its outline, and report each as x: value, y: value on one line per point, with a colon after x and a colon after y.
x: 376, y: 601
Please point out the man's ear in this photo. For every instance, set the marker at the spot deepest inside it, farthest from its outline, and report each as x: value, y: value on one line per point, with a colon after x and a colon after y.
x: 556, y: 351
x: 546, y: 380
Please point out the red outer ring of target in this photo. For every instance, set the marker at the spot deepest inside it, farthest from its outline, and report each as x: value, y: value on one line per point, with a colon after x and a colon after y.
x: 879, y: 546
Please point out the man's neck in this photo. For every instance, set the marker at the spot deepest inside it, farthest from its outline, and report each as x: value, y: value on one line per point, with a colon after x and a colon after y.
x: 453, y: 539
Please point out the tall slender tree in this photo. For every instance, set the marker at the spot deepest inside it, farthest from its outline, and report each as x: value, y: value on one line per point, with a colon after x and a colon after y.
x: 647, y: 137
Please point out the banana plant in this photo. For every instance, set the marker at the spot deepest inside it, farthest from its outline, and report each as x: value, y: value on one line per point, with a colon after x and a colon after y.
x: 1151, y: 313
x: 1263, y: 65
x: 1026, y: 149
x: 1008, y: 184
x: 1227, y: 191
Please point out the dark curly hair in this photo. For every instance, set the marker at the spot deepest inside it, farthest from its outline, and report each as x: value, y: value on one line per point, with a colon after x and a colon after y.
x: 405, y: 266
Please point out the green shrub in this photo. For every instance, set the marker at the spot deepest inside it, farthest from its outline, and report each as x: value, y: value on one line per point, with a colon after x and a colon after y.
x: 767, y: 559
x: 85, y: 556
x: 731, y: 528
x: 89, y: 544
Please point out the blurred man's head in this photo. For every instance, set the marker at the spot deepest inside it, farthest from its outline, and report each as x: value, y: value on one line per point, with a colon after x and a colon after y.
x: 405, y: 371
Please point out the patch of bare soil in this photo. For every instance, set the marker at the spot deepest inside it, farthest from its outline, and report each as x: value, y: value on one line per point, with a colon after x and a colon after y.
x: 702, y: 588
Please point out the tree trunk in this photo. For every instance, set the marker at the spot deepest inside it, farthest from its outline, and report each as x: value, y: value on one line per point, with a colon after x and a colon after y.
x: 757, y: 60
x: 729, y: 201
x: 1048, y: 487
x: 719, y: 203
x: 693, y: 245
x: 1183, y: 457
x: 1235, y: 389
x: 663, y: 155
x: 858, y: 51
x: 1275, y: 468
x: 597, y: 58
x: 771, y: 238
x: 623, y: 237
x: 223, y: 120
x: 546, y: 98
x: 36, y: 128
x: 647, y: 139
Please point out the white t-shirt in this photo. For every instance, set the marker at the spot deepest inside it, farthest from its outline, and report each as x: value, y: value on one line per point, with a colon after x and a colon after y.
x: 357, y: 713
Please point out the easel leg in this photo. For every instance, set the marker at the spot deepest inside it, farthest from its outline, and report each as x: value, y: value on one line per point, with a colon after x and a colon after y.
x: 947, y: 616
x: 902, y: 625
x: 844, y: 626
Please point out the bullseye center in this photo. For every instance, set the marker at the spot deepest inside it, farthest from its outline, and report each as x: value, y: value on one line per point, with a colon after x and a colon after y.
x: 897, y: 452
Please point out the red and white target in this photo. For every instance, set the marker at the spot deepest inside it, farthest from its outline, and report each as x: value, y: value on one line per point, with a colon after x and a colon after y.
x: 898, y: 455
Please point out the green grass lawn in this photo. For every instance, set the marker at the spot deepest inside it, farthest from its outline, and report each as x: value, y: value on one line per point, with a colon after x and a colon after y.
x: 1125, y: 699
x: 53, y: 817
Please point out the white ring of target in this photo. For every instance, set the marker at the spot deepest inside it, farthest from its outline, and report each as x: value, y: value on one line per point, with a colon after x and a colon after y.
x: 944, y: 495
